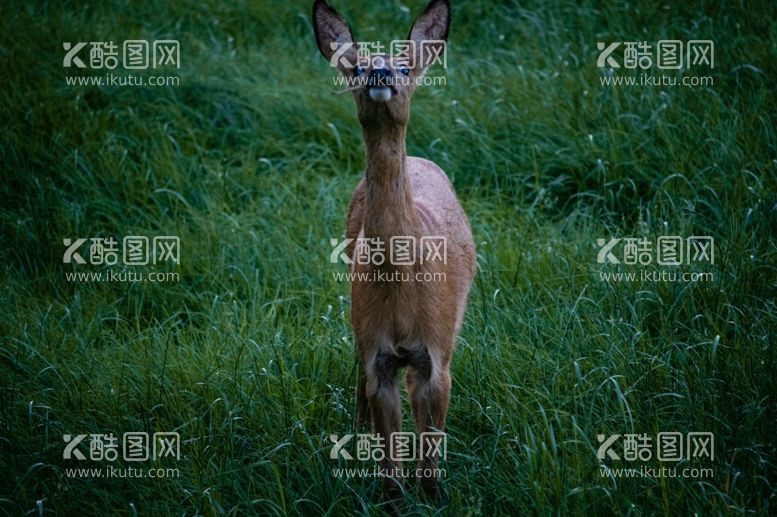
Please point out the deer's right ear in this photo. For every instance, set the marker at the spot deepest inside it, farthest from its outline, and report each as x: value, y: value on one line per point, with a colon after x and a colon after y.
x: 431, y: 30
x: 333, y: 36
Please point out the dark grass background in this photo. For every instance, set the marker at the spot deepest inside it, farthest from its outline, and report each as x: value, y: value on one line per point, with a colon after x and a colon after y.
x: 251, y: 160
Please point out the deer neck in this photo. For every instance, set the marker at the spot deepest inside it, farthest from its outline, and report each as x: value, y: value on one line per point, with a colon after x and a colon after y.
x: 389, y: 209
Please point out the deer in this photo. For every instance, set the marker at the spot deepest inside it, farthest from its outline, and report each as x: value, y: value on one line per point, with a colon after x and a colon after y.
x: 401, y: 324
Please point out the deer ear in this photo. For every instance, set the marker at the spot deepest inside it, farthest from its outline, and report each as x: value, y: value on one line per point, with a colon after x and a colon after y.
x: 333, y: 36
x: 431, y: 30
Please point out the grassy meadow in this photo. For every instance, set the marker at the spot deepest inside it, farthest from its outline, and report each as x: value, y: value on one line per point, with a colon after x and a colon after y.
x: 250, y: 160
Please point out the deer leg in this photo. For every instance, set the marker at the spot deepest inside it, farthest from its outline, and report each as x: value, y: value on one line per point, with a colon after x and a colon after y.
x: 385, y: 408
x: 429, y: 387
x: 362, y: 404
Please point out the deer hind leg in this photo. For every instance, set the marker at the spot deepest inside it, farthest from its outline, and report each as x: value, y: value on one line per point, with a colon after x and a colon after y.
x: 429, y: 387
x: 382, y: 394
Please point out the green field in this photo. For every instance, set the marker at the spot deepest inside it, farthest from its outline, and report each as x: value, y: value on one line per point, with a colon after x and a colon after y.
x: 250, y: 160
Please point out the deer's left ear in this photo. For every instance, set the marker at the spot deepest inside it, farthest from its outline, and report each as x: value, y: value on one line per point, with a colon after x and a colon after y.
x: 333, y: 36
x: 431, y: 30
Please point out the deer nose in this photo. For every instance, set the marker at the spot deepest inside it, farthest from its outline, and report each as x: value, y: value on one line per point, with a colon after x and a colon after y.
x: 379, y: 77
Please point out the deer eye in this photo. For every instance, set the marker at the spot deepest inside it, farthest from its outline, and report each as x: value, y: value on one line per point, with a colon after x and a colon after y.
x: 358, y: 71
x: 404, y: 70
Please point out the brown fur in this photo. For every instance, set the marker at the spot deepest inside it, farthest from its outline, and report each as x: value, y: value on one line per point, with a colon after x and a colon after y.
x: 403, y: 324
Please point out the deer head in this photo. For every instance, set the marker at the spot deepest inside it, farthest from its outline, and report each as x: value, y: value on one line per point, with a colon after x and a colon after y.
x: 383, y: 84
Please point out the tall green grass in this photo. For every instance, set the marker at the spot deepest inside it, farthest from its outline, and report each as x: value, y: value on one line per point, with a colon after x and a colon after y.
x: 251, y: 161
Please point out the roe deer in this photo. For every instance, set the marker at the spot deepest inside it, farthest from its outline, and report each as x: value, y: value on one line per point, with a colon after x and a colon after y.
x: 401, y: 323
